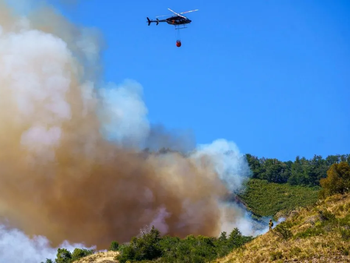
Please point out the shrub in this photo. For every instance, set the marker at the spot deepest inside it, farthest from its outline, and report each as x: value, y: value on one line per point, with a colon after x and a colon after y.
x: 114, y: 246
x: 147, y: 247
x: 63, y: 256
x: 80, y: 253
x: 283, y: 231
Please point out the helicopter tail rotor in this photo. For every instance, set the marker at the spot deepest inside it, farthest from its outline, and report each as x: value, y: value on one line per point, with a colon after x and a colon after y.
x: 149, y: 21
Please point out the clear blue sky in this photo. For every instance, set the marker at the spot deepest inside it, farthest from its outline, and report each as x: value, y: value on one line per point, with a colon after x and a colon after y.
x: 273, y: 76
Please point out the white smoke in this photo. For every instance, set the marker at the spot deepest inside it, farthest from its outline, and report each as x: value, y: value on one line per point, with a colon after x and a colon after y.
x: 229, y: 163
x: 128, y: 124
x: 15, y: 246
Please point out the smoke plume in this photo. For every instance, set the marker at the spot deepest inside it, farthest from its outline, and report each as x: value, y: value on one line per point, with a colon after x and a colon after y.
x: 72, y: 165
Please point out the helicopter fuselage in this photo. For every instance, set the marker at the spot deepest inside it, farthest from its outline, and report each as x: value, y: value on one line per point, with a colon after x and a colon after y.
x: 176, y: 20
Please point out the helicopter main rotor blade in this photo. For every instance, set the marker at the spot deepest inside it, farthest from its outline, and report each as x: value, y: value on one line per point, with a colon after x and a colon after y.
x: 189, y: 11
x: 176, y: 13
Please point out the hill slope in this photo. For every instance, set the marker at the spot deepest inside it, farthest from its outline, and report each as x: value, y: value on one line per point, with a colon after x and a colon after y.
x: 319, y: 233
x: 314, y: 234
x: 266, y: 199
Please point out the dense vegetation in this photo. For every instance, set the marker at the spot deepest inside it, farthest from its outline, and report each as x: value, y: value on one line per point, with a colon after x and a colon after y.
x: 266, y: 199
x: 277, y: 185
x: 300, y: 172
x: 65, y: 256
x: 150, y: 246
x: 196, y: 249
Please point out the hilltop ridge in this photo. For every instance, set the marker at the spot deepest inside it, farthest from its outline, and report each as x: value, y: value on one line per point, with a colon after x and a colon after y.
x: 319, y: 233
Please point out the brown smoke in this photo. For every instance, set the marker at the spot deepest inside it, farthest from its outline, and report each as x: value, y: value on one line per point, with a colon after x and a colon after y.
x: 59, y: 177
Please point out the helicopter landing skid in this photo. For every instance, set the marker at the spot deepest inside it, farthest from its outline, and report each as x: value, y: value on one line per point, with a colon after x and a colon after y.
x: 176, y: 28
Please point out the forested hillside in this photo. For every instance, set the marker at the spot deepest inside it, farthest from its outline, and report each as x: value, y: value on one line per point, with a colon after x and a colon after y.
x: 277, y: 186
x: 263, y: 198
x: 300, y: 172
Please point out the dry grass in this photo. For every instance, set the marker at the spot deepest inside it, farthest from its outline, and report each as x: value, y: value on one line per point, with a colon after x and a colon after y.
x: 100, y: 257
x: 324, y: 246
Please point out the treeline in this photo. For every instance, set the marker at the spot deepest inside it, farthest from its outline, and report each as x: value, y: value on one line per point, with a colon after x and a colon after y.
x: 302, y: 171
x: 65, y: 256
x: 152, y: 246
x: 197, y: 249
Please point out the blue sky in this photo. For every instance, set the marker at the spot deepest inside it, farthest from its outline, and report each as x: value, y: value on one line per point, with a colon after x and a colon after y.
x: 272, y: 76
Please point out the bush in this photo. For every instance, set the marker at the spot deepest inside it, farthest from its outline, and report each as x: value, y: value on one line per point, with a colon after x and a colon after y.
x: 283, y: 231
x: 114, y: 246
x: 80, y: 253
x: 63, y: 256
x: 147, y: 247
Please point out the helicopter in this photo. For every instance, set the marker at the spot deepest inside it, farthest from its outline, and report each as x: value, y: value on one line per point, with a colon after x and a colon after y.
x: 177, y: 20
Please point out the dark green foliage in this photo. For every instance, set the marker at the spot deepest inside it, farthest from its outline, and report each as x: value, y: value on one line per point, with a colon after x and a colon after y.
x: 80, y: 253
x: 236, y: 240
x: 300, y: 172
x: 63, y: 256
x: 114, y: 246
x: 173, y: 249
x: 146, y: 247
x: 266, y: 199
x: 190, y: 249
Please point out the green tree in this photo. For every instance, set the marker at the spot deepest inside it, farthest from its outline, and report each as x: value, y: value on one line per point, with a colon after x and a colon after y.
x: 114, y: 246
x: 63, y: 256
x: 146, y: 247
x: 236, y: 239
x: 296, y: 172
x: 331, y: 159
x: 337, y: 180
x: 80, y: 253
x: 254, y: 165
